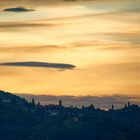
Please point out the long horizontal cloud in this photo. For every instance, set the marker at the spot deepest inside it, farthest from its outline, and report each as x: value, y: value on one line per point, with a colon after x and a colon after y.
x: 30, y: 49
x: 36, y: 3
x: 19, y: 26
x: 102, y: 102
x: 58, y: 21
x: 40, y: 64
x: 18, y: 9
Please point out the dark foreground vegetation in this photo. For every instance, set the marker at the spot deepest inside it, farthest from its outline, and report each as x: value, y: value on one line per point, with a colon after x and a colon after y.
x: 22, y: 120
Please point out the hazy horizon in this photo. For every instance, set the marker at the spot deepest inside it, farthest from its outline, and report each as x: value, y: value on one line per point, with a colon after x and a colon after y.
x: 103, y: 102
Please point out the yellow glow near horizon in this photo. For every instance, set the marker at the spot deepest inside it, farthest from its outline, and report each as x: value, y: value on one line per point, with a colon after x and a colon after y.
x: 101, y: 41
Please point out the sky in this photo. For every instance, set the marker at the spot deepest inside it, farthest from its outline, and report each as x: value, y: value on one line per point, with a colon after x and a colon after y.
x: 74, y: 48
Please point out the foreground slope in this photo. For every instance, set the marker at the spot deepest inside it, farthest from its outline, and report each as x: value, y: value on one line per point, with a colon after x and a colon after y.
x: 23, y: 120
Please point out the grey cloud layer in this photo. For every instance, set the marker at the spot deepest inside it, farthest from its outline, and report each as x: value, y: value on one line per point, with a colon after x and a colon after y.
x: 102, y: 102
x: 30, y: 49
x: 39, y: 64
x: 22, y: 25
x: 36, y: 3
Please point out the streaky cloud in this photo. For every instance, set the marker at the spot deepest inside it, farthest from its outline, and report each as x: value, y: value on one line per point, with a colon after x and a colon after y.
x: 40, y: 64
x: 30, y: 49
x: 19, y: 25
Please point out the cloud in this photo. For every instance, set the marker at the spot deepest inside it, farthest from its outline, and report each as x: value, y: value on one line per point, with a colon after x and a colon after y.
x: 30, y: 49
x: 37, y: 3
x: 102, y: 102
x: 14, y: 26
x: 40, y: 64
x: 21, y: 25
x: 127, y: 4
x: 18, y: 9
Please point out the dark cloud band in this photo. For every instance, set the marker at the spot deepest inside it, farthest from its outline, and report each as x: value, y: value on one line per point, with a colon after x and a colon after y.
x: 18, y: 9
x: 40, y: 64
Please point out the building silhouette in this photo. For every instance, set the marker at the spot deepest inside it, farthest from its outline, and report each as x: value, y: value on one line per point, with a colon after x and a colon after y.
x: 112, y: 108
x: 60, y: 103
x: 128, y: 104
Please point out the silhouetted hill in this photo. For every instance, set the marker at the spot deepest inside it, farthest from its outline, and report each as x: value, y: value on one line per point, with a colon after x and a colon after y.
x: 23, y: 120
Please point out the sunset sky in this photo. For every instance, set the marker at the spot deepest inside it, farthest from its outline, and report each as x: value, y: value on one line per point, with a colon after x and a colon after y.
x: 80, y: 47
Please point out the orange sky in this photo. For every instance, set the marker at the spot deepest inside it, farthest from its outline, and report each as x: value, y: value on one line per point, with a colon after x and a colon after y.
x: 100, y: 38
